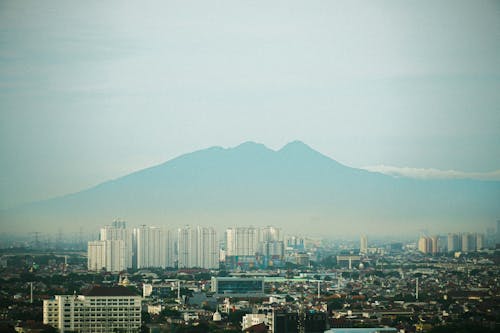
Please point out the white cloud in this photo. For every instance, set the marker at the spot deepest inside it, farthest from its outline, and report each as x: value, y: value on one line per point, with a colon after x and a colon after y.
x: 422, y: 173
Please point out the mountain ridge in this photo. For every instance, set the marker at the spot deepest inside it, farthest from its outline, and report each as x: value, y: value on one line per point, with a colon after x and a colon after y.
x: 252, y: 183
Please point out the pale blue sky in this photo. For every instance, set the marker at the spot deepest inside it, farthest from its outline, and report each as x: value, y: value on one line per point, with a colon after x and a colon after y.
x: 92, y: 90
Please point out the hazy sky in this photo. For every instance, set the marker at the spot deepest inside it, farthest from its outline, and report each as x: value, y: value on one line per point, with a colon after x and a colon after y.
x: 92, y: 90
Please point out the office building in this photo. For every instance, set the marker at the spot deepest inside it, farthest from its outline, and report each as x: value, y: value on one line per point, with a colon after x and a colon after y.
x: 102, y: 309
x: 237, y: 287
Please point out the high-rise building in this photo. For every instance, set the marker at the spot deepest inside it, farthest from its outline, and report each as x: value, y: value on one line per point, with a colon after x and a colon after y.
x: 423, y: 244
x: 453, y: 242
x: 96, y: 256
x: 169, y: 247
x: 363, y: 244
x: 479, y: 242
x: 295, y: 242
x: 154, y: 247
x: 434, y: 244
x: 428, y: 244
x: 208, y: 248
x: 242, y: 241
x: 269, y: 234
x: 187, y: 247
x: 272, y: 249
x: 106, y: 254
x: 102, y: 309
x: 118, y: 231
x: 198, y: 247
x: 469, y: 242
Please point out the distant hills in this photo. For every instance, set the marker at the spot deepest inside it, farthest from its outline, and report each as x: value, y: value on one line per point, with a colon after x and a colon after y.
x: 296, y: 188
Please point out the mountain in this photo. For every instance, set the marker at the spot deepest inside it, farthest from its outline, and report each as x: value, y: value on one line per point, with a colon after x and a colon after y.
x: 296, y: 188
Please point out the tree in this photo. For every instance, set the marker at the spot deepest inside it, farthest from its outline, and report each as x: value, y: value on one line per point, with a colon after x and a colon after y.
x: 336, y: 304
x: 235, y: 317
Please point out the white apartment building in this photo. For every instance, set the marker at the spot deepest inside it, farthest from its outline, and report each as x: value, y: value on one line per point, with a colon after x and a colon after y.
x: 198, y: 247
x: 242, y: 241
x: 187, y: 247
x: 247, y: 241
x: 106, y: 254
x: 208, y: 248
x: 154, y: 247
x: 96, y: 256
x: 102, y: 309
x: 118, y: 231
x: 269, y: 234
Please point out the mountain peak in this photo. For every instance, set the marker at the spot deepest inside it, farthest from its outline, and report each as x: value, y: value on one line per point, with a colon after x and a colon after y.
x: 250, y: 144
x: 296, y: 145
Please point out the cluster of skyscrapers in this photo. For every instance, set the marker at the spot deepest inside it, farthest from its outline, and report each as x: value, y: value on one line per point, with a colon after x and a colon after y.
x: 253, y: 246
x: 119, y: 247
x: 464, y: 242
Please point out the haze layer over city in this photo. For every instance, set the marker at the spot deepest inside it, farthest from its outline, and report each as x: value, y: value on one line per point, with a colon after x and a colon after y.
x: 96, y: 91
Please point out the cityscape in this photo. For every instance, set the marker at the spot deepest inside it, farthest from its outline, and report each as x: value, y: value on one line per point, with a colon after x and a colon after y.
x: 250, y: 279
x: 249, y: 166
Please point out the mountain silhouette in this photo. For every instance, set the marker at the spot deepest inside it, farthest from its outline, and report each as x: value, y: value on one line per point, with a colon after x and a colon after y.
x: 296, y: 188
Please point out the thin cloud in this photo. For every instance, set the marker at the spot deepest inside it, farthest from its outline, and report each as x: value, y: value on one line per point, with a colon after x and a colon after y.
x: 422, y: 173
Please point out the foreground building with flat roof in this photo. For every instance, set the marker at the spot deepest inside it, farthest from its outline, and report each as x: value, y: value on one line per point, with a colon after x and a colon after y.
x: 102, y: 309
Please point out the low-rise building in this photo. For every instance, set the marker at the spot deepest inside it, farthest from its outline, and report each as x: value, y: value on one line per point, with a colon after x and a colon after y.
x: 102, y: 309
x: 237, y: 287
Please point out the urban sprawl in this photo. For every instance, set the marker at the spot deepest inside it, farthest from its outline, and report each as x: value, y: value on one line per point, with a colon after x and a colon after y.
x: 250, y: 279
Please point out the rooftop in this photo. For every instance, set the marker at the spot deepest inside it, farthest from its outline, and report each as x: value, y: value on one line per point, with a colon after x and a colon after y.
x: 110, y: 291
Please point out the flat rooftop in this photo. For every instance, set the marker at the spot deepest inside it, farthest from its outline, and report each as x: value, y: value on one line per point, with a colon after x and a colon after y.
x: 110, y: 291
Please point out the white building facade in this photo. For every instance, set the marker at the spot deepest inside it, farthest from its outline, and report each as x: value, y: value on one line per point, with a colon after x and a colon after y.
x: 103, y: 309
x: 198, y: 247
x: 154, y: 247
x: 106, y: 254
x: 118, y: 231
x: 242, y: 241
